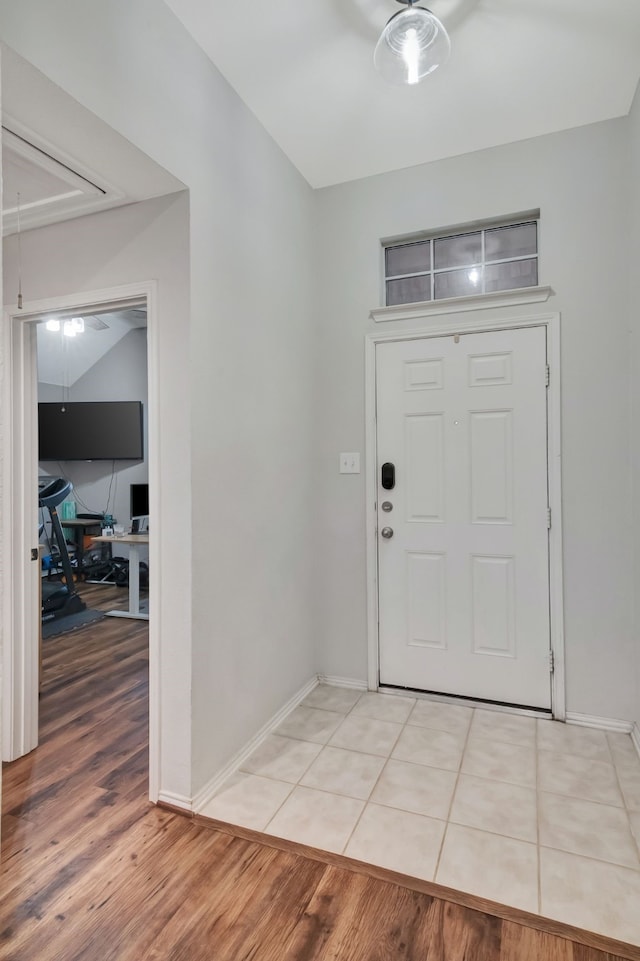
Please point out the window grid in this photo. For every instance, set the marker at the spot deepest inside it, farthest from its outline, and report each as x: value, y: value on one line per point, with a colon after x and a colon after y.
x: 477, y: 265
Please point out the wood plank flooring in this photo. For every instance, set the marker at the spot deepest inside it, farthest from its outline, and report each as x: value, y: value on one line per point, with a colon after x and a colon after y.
x: 92, y: 872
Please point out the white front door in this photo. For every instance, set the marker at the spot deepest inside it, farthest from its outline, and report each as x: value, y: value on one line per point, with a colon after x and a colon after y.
x: 463, y: 552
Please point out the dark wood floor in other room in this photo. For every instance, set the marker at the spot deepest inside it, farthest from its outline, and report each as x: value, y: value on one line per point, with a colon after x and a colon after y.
x: 92, y: 872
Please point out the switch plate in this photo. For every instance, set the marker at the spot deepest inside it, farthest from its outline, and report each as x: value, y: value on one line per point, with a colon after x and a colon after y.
x: 349, y: 463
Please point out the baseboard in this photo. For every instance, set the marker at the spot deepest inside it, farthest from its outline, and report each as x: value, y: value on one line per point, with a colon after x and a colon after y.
x: 202, y: 798
x: 174, y: 809
x: 174, y: 800
x: 350, y: 682
x: 635, y: 737
x: 602, y: 723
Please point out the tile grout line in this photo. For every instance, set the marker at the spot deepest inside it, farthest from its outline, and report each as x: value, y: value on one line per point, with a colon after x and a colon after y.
x: 627, y: 810
x: 297, y: 783
x: 386, y: 761
x: 572, y: 853
x: 453, y: 794
x: 581, y: 797
x: 280, y: 806
x: 592, y: 859
x: 323, y: 746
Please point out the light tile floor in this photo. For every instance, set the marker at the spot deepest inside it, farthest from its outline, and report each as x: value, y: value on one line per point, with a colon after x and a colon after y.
x: 530, y: 813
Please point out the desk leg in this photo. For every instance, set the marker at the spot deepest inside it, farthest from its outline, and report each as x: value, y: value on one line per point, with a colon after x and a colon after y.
x: 134, y: 588
x: 134, y: 580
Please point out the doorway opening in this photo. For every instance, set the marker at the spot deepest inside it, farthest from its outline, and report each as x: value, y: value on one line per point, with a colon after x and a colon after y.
x: 107, y: 368
x: 92, y: 447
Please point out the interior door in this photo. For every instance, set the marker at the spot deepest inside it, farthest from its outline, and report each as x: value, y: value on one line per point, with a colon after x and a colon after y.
x: 463, y: 552
x: 21, y: 577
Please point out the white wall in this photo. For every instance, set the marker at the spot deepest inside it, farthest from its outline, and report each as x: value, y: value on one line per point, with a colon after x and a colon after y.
x: 578, y: 180
x: 249, y: 376
x: 634, y: 317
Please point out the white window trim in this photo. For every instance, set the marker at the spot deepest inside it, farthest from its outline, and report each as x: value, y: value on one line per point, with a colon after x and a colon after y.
x: 455, y: 305
x: 457, y: 230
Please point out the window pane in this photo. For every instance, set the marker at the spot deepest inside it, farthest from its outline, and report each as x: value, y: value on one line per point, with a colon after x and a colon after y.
x: 458, y: 283
x: 522, y: 273
x: 506, y: 242
x: 408, y: 259
x: 411, y: 290
x: 458, y: 251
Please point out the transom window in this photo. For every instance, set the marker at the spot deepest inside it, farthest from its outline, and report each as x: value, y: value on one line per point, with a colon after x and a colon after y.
x: 479, y: 261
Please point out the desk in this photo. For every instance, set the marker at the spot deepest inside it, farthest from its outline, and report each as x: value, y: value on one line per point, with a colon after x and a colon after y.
x: 81, y: 526
x: 134, y: 541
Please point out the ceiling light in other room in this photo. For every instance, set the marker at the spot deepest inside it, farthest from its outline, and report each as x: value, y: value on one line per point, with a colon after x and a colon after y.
x: 53, y: 324
x: 73, y: 326
x: 413, y: 44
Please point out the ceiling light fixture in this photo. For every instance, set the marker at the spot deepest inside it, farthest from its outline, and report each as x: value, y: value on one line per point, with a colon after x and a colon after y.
x: 73, y: 327
x: 413, y: 44
x: 53, y: 324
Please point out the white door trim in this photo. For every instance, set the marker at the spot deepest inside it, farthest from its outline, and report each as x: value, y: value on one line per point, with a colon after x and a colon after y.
x: 554, y: 454
x: 18, y: 534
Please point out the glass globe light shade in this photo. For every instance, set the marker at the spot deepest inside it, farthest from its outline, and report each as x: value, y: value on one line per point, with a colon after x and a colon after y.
x: 413, y: 44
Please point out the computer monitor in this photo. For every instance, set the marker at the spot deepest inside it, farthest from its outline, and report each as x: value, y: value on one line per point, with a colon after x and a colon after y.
x: 139, y: 508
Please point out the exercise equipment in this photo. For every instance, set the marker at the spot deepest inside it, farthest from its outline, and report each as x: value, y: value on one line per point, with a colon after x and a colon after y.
x: 59, y: 598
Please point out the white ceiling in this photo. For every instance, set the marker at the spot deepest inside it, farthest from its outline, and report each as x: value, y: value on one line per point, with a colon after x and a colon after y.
x: 63, y: 360
x: 64, y: 162
x: 60, y: 158
x: 518, y: 69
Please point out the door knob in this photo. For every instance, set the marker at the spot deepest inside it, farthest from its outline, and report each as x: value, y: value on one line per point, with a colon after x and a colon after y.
x: 387, y: 532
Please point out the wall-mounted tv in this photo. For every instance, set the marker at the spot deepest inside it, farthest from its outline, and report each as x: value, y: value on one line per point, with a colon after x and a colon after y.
x: 90, y: 430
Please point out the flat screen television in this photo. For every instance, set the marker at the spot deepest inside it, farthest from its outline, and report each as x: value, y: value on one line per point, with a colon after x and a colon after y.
x: 90, y: 430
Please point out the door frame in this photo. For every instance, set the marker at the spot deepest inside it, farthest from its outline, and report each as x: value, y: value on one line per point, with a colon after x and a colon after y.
x: 19, y: 532
x: 551, y: 321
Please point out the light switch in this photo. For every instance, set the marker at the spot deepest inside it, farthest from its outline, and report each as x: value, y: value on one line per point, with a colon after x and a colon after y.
x: 349, y: 463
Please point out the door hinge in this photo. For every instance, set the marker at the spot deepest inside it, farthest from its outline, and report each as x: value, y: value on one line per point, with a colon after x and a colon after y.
x: 547, y: 376
x: 552, y: 662
x: 35, y: 553
x: 548, y: 518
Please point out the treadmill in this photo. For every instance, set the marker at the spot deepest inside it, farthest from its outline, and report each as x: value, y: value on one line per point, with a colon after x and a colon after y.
x: 59, y: 598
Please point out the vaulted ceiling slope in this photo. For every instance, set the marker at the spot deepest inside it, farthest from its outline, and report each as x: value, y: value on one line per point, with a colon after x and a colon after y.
x: 518, y: 69
x: 59, y: 160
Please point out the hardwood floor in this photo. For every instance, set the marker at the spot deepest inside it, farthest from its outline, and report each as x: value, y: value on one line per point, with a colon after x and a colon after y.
x: 92, y: 872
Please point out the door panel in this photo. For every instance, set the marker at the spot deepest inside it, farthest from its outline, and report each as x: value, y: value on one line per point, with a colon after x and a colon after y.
x: 464, y: 578
x: 426, y: 575
x: 424, y: 448
x: 491, y: 457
